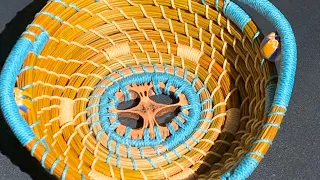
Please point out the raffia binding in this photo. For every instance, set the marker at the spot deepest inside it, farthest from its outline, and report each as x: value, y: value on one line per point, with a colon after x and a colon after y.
x: 232, y: 120
x: 95, y: 175
x: 117, y: 50
x: 188, y: 52
x: 66, y: 111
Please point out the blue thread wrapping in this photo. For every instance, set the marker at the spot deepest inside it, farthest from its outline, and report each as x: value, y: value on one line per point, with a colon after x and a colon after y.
x: 34, y: 124
x: 109, y: 157
x: 30, y: 33
x: 109, y: 105
x: 141, y: 152
x: 157, y: 150
x: 156, y: 86
x: 195, y: 139
x: 109, y: 143
x: 202, y: 130
x: 151, y: 162
x: 262, y: 140
x: 271, y: 124
x: 94, y: 96
x: 61, y: 2
x: 158, y: 133
x: 92, y: 115
x: 256, y: 153
x: 144, y: 68
x: 171, y: 128
x: 104, y: 86
x: 74, y: 7
x: 194, y: 81
x: 120, y: 73
x: 206, y: 120
x: 92, y: 106
x: 236, y: 14
x: 94, y: 124
x: 50, y: 15
x: 154, y: 67
x: 64, y: 173
x: 99, y: 134
x: 217, y: 5
x: 276, y: 113
x: 44, y: 156
x: 126, y: 93
x: 185, y: 74
x: 207, y: 110
x: 40, y: 42
x: 185, y: 107
x: 178, y: 92
x: 187, y: 146
x: 118, y: 161
x: 167, y: 87
x: 9, y: 108
x: 166, y: 157
x: 242, y: 170
x: 255, y: 37
x: 225, y: 4
x: 201, y: 89
x: 175, y: 70
x: 177, y: 120
x: 134, y: 164
x: 54, y: 164
x: 133, y: 70
x: 113, y: 126
x: 146, y: 136
x: 36, y: 25
x: 176, y: 153
x: 127, y: 133
x: 27, y: 86
x: 128, y: 151
x: 207, y: 100
x: 117, y: 148
x: 166, y: 68
x: 184, y: 116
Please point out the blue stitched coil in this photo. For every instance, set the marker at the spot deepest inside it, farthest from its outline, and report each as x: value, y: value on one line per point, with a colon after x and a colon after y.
x: 142, y: 78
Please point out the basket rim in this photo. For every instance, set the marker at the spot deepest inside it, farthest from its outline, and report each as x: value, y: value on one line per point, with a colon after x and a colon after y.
x: 281, y: 98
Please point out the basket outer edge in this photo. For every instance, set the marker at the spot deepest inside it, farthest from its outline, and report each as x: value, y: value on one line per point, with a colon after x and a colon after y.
x: 282, y: 96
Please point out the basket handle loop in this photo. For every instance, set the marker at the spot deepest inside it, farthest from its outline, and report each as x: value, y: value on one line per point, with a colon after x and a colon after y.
x: 8, y: 104
x: 288, y: 46
x: 286, y: 76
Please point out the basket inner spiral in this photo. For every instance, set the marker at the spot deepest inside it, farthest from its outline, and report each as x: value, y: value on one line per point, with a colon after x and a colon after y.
x: 132, y: 89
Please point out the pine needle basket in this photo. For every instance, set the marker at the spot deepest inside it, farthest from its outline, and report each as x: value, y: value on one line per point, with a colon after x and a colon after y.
x: 79, y: 60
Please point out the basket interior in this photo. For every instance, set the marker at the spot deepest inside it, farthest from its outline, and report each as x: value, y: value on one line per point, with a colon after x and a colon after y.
x: 142, y: 89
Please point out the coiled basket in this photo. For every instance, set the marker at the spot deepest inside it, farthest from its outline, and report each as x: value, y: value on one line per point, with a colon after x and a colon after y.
x: 147, y: 89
